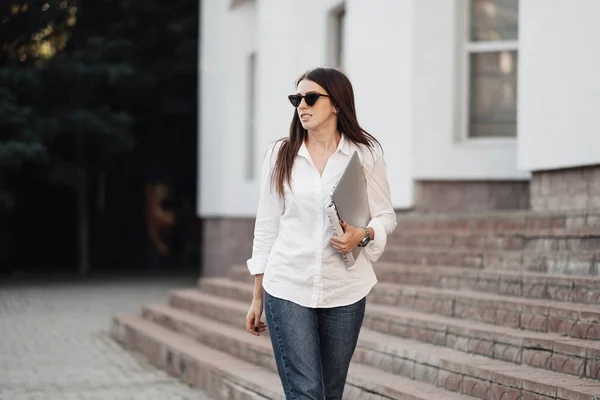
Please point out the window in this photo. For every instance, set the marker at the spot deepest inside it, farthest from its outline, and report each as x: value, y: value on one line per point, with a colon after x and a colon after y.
x: 250, y: 117
x: 491, y: 68
x: 337, y: 18
x: 236, y: 3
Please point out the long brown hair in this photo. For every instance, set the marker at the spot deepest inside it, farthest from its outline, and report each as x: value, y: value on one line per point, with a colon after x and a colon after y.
x: 338, y: 87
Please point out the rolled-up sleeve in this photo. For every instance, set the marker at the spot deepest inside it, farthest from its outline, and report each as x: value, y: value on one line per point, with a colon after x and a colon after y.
x: 270, y: 209
x: 383, y: 217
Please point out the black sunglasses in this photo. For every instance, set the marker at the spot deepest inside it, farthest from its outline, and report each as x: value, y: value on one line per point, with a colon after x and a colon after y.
x: 310, y: 97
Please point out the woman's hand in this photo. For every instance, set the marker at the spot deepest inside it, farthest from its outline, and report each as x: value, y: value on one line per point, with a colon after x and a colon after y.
x: 253, y: 323
x: 350, y: 239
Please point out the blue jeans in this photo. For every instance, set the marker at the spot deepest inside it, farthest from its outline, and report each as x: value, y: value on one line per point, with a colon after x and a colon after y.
x: 313, y: 346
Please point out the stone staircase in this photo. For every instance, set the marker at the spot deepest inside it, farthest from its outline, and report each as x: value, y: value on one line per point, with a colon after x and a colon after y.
x: 495, y: 307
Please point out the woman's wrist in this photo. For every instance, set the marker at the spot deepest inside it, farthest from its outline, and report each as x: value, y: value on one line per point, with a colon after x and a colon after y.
x: 258, y: 292
x: 359, y: 235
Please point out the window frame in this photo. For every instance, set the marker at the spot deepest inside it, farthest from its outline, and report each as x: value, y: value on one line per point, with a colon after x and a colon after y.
x: 466, y: 49
x: 336, y: 35
x: 251, y: 76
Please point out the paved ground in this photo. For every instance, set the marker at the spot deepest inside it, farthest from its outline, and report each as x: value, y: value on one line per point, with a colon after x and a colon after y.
x: 54, y: 342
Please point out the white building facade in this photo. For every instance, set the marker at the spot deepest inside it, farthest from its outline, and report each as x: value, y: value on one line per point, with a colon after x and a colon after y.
x: 480, y: 105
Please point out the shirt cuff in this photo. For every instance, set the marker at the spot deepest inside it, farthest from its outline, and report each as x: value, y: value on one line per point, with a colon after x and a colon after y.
x: 375, y: 248
x: 256, y: 266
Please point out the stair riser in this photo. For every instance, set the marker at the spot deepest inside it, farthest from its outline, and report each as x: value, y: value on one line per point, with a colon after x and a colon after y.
x: 240, y: 274
x: 469, y: 380
x: 258, y: 352
x: 541, y: 354
x: 220, y: 313
x: 548, y: 355
x: 474, y: 260
x: 527, y: 224
x: 235, y: 318
x: 457, y: 241
x: 189, y: 370
x: 513, y: 315
x: 497, y: 313
x: 549, y: 287
x: 243, y: 295
x: 580, y: 264
x: 493, y: 242
x: 420, y: 367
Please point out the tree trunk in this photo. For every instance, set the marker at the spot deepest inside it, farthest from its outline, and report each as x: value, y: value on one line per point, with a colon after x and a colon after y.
x: 83, y: 228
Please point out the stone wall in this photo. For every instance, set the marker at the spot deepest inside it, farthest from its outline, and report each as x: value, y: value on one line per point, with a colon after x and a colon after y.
x: 471, y: 196
x: 573, y: 189
x: 225, y: 242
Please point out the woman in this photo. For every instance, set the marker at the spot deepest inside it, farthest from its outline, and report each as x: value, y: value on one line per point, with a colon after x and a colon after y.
x: 314, y: 305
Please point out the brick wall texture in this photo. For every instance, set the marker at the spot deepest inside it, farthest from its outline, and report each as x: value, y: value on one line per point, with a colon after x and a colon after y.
x: 574, y: 189
x: 471, y: 196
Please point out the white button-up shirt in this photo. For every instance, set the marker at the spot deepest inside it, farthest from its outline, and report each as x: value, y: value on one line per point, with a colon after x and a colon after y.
x: 292, y: 238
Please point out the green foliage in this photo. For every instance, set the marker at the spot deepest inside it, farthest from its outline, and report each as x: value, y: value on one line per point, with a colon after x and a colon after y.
x: 84, y: 82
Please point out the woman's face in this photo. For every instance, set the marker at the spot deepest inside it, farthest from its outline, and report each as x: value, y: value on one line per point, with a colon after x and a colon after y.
x: 321, y: 113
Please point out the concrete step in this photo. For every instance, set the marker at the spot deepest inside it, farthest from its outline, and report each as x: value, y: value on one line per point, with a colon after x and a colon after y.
x: 473, y: 258
x: 528, y: 223
x: 574, y: 320
x: 567, y: 288
x: 221, y: 375
x: 363, y: 380
x: 218, y: 308
x: 387, y: 359
x: 580, y: 321
x: 549, y: 351
x: 583, y: 263
x: 537, y: 349
x: 477, y: 376
x: 573, y: 242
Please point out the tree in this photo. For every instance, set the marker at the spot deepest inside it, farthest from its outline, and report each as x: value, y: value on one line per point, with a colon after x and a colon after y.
x: 88, y: 129
x: 84, y: 83
x: 68, y: 121
x: 28, y: 36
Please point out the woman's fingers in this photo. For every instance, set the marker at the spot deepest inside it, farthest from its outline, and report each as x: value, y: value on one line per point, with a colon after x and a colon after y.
x: 254, y: 325
x: 250, y: 326
x: 337, y: 244
x: 341, y: 248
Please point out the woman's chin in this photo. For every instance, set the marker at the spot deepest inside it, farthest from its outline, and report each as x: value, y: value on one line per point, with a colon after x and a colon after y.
x: 305, y: 125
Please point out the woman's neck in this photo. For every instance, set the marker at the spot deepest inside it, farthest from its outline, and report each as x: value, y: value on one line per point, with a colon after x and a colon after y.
x: 323, y: 141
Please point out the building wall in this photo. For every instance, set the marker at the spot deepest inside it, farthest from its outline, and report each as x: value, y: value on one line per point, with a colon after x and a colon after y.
x: 228, y: 38
x: 379, y: 59
x: 559, y: 122
x: 441, y: 152
x: 559, y: 80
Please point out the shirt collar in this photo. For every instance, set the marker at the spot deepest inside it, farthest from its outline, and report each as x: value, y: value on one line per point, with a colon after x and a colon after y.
x: 344, y: 146
x: 304, y: 151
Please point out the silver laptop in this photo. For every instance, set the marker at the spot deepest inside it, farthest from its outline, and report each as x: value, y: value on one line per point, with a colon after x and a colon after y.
x: 350, y: 197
